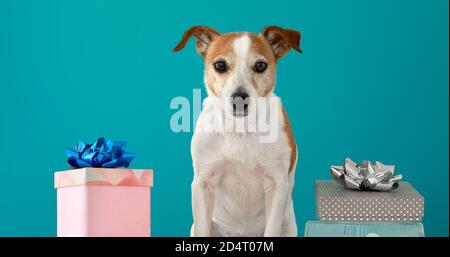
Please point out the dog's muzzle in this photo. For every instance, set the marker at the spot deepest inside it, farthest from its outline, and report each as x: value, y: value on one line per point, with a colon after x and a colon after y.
x: 240, y: 101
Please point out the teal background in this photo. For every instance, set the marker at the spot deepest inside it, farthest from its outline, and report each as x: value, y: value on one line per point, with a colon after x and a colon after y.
x: 372, y: 84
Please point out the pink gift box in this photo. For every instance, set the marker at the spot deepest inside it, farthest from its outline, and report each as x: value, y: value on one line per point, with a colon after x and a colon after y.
x: 103, y: 202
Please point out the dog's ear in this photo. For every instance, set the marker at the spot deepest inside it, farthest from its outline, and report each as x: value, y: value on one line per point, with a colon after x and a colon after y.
x: 204, y: 36
x: 281, y: 40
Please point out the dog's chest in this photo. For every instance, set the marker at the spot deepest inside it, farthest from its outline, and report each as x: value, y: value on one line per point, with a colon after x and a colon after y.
x: 240, y: 196
x: 244, y: 150
x: 241, y: 188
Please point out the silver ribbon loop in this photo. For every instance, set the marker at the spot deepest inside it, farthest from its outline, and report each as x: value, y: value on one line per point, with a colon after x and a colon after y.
x: 366, y: 176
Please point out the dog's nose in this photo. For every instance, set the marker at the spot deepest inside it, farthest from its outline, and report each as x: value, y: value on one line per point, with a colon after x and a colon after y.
x: 240, y: 102
x: 242, y: 94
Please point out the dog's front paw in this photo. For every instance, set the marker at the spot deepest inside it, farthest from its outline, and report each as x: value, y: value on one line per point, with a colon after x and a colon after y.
x: 272, y: 233
x: 200, y: 234
x: 196, y: 232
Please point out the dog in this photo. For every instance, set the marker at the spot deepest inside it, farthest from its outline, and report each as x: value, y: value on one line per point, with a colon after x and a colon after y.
x: 242, y: 186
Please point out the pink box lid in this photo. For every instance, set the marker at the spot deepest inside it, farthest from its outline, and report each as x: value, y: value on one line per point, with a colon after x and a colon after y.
x: 104, y: 176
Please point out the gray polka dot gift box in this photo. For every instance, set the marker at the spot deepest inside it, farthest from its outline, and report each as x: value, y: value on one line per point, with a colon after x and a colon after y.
x: 335, y: 202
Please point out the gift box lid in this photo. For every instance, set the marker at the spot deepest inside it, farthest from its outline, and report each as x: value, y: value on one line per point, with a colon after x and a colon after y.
x: 338, y: 203
x: 105, y: 177
x: 330, y: 188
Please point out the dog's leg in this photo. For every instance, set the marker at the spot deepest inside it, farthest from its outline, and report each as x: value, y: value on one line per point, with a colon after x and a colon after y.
x: 202, y: 205
x: 290, y: 225
x: 277, y: 193
x: 206, y: 177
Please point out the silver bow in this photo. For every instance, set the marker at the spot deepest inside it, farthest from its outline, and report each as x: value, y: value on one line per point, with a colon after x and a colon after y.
x: 366, y: 176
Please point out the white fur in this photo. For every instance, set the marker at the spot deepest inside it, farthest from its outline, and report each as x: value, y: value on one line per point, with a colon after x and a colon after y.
x: 240, y: 76
x: 241, y: 187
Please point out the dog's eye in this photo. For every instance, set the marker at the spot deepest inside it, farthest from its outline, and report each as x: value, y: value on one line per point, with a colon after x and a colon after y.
x: 260, y: 66
x: 220, y: 66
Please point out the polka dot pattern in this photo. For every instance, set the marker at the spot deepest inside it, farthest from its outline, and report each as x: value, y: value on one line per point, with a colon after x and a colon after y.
x: 337, y: 203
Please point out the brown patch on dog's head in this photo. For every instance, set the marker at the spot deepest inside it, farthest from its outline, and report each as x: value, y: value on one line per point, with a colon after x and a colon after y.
x: 221, y: 46
x: 248, y: 60
x: 227, y: 48
x: 260, y: 47
x: 221, y: 49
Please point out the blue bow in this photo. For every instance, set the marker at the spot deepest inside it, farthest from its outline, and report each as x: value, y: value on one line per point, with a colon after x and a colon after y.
x: 101, y: 154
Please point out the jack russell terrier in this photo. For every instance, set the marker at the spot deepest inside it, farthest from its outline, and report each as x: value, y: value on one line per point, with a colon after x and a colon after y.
x: 242, y: 186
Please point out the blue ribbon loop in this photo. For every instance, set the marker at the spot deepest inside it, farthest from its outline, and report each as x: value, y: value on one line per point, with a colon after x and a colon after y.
x: 101, y: 154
